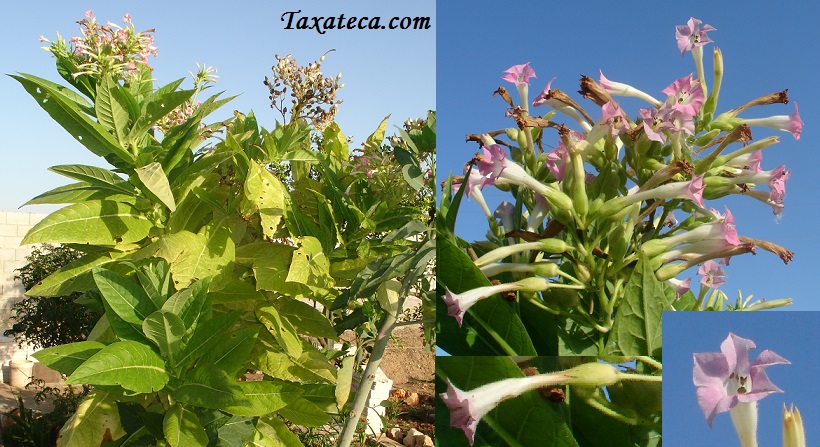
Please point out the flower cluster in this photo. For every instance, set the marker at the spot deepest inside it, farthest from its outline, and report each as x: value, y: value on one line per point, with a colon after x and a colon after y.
x: 312, y: 95
x: 204, y: 78
x: 110, y: 49
x: 609, y: 189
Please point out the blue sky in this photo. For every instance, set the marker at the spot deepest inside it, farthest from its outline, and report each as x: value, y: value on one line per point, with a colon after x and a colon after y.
x: 792, y: 335
x: 385, y: 72
x: 764, y: 51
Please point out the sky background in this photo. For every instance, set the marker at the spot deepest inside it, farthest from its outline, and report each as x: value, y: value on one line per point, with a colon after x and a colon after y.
x: 384, y: 71
x: 792, y: 335
x: 764, y: 50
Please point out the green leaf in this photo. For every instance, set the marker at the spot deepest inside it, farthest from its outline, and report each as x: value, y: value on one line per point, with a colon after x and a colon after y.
x: 165, y: 330
x: 527, y: 420
x: 265, y: 193
x: 182, y: 428
x: 79, y: 192
x: 595, y: 429
x: 312, y: 366
x: 94, y: 222
x: 343, y: 381
x: 336, y: 143
x: 124, y: 297
x: 301, y: 411
x: 310, y: 265
x: 491, y: 324
x: 281, y: 329
x: 388, y: 296
x: 73, y: 119
x: 272, y: 432
x: 226, y: 430
x: 132, y: 365
x: 636, y: 329
x: 153, y: 177
x: 305, y: 318
x: 265, y: 397
x: 93, y: 175
x: 73, y: 277
x: 191, y: 304
x: 95, y: 420
x: 231, y: 352
x: 205, y: 336
x: 66, y: 358
x: 574, y: 339
x: 211, y: 388
x: 110, y: 106
x: 374, y: 141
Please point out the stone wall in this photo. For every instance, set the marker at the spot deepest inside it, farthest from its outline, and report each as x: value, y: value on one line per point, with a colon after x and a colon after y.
x: 13, y: 226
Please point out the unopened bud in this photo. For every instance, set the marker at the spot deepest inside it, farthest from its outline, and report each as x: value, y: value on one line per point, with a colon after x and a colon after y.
x: 592, y: 375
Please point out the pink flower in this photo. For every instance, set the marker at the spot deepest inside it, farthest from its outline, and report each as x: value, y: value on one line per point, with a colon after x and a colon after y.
x: 680, y: 287
x: 749, y: 161
x: 89, y: 14
x: 615, y: 118
x: 126, y: 18
x: 685, y: 95
x: 620, y: 89
x: 462, y: 410
x: 712, y: 273
x: 557, y: 161
x: 492, y: 164
x: 519, y: 74
x: 787, y: 123
x: 458, y: 304
x: 776, y: 179
x: 692, y: 35
x: 724, y: 379
x: 654, y: 123
x: 369, y: 173
x: 541, y: 99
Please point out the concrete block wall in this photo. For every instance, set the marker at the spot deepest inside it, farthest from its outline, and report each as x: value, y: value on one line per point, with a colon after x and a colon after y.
x: 13, y: 226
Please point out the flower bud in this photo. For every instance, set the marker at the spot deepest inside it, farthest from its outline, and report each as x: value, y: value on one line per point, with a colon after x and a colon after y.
x: 512, y: 133
x: 592, y: 374
x: 533, y: 284
x: 793, y: 432
x: 553, y: 245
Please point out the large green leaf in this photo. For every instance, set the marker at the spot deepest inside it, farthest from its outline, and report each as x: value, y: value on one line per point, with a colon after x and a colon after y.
x: 211, y: 388
x: 281, y: 329
x: 265, y: 193
x: 93, y: 222
x: 182, y: 428
x: 637, y: 326
x: 272, y: 432
x: 310, y: 266
x: 96, y: 419
x: 154, y: 179
x: 312, y: 366
x: 305, y: 318
x: 165, y: 330
x: 490, y: 325
x: 231, y: 352
x: 265, y: 397
x: 226, y: 430
x: 73, y: 277
x: 191, y: 304
x: 73, y: 119
x: 93, y: 175
x: 205, y: 336
x: 527, y: 420
x: 132, y: 365
x: 79, y: 192
x: 301, y: 411
x: 344, y: 379
x: 124, y: 296
x: 66, y: 358
x: 111, y: 108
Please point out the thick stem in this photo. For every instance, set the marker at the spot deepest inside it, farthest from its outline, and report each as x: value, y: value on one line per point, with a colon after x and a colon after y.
x: 360, y: 400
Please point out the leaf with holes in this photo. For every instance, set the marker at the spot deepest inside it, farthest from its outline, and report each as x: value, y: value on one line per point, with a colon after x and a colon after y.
x: 265, y: 194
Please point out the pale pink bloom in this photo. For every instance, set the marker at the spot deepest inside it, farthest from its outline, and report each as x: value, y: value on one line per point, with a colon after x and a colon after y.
x: 776, y: 180
x: 541, y: 99
x: 504, y: 212
x: 557, y: 161
x: 459, y: 303
x: 692, y: 35
x: 621, y: 89
x: 89, y: 14
x: 725, y: 379
x: 369, y: 173
x: 126, y: 18
x: 685, y: 95
x: 493, y: 163
x: 712, y: 274
x: 680, y: 287
x: 519, y: 74
x: 749, y: 161
x: 615, y: 118
x: 654, y: 123
x: 787, y: 123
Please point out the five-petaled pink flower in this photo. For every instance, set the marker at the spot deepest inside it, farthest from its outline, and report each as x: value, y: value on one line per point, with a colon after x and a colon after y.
x: 724, y: 379
x: 492, y: 163
x: 655, y: 121
x: 712, y: 273
x: 541, y: 99
x: 787, y: 123
x: 685, y: 95
x: 615, y: 118
x: 519, y: 74
x: 692, y: 35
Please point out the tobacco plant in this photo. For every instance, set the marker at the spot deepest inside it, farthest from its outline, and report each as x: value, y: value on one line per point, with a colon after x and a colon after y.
x: 205, y: 263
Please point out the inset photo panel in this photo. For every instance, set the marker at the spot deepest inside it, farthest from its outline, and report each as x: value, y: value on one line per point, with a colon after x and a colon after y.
x: 740, y: 378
